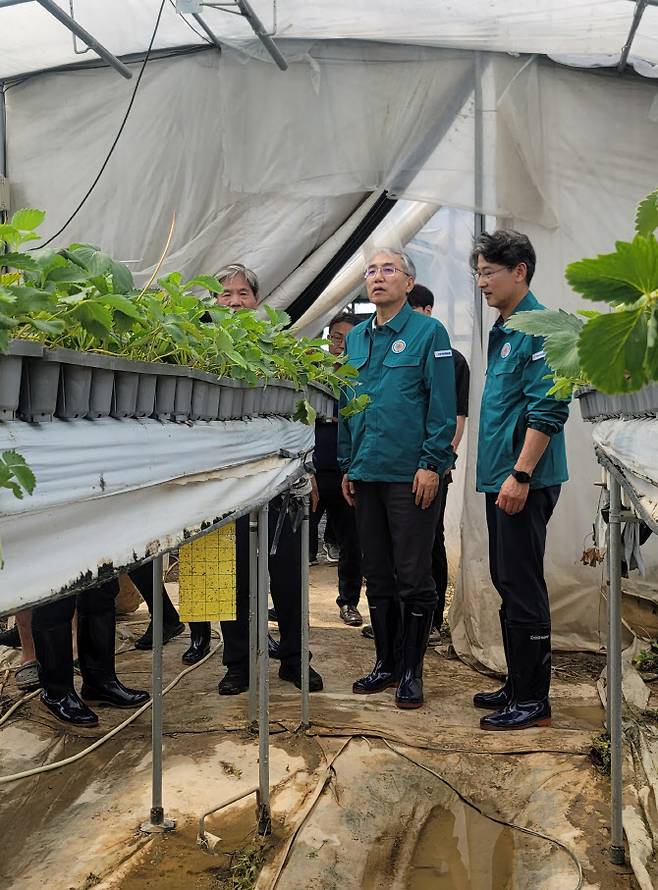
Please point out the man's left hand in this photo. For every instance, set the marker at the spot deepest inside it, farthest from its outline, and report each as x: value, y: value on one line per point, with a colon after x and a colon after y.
x: 315, y: 495
x: 512, y: 496
x: 425, y: 487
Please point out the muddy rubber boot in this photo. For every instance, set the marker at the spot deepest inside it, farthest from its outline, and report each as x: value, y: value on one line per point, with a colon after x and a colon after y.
x: 171, y: 623
x: 384, y: 619
x: 96, y: 654
x: 199, y: 642
x: 54, y: 650
x: 530, y: 668
x: 417, y: 627
x: 494, y: 701
x: 10, y: 638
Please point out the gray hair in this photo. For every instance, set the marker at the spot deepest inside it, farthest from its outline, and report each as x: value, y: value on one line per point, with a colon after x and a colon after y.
x: 232, y: 269
x: 406, y: 262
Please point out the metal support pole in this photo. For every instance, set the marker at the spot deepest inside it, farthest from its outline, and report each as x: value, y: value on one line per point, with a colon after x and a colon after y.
x: 614, y: 673
x: 263, y: 796
x: 479, y: 221
x: 640, y: 6
x: 263, y: 36
x: 211, y: 34
x: 253, y: 615
x: 305, y: 616
x: 3, y: 147
x: 157, y: 821
x: 90, y: 41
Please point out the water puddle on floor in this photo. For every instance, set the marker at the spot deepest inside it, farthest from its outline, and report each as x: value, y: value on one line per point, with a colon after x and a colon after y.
x: 458, y: 849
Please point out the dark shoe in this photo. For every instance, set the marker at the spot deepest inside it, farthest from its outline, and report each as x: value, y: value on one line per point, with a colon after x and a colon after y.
x: 96, y: 639
x: 313, y: 561
x: 273, y: 647
x: 494, y: 701
x: 199, y: 642
x: 114, y: 694
x: 293, y: 674
x: 385, y: 617
x: 417, y: 626
x: 10, y: 638
x: 271, y: 615
x: 530, y: 671
x: 69, y: 708
x: 366, y: 632
x: 351, y: 616
x: 169, y: 631
x: 434, y: 638
x: 234, y: 681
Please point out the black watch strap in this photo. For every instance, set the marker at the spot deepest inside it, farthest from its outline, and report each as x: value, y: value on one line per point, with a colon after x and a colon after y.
x: 520, y: 476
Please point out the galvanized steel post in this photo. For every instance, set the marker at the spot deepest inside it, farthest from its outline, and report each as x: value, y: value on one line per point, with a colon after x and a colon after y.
x: 253, y: 615
x: 263, y: 797
x: 305, y: 616
x: 157, y: 821
x: 614, y: 673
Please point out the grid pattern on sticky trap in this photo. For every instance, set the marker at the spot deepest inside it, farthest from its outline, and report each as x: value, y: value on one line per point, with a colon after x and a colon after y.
x: 206, y: 577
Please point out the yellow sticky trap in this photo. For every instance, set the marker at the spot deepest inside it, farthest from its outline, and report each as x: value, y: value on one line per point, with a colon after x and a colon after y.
x: 206, y: 577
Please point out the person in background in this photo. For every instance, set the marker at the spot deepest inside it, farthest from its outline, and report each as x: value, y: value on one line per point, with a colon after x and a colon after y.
x: 394, y: 454
x: 329, y: 480
x: 521, y: 465
x: 240, y: 291
x: 421, y: 299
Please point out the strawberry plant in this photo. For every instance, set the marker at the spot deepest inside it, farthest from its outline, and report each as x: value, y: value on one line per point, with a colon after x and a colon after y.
x: 614, y: 351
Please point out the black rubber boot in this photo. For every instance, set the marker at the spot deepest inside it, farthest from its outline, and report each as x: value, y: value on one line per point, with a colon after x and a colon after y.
x: 171, y: 623
x: 273, y: 648
x: 494, y: 701
x: 530, y: 668
x: 384, y: 619
x: 417, y: 627
x: 199, y: 642
x: 54, y: 651
x: 96, y: 655
x: 235, y: 680
x: 292, y: 673
x: 10, y: 638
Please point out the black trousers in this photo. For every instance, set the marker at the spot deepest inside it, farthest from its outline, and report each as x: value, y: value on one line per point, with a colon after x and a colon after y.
x: 439, y: 557
x: 396, y: 540
x: 93, y: 601
x: 285, y: 586
x: 516, y: 555
x: 343, y: 524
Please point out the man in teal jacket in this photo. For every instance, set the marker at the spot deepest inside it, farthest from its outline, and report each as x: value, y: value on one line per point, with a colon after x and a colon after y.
x: 520, y: 468
x: 393, y: 456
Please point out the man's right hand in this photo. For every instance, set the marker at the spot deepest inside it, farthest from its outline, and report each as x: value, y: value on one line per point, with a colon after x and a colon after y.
x: 349, y: 492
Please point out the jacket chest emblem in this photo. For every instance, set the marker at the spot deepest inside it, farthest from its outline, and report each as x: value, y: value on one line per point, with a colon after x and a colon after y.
x: 506, y: 349
x: 398, y: 346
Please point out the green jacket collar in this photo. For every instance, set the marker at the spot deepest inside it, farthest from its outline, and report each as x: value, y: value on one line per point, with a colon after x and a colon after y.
x: 396, y: 323
x: 528, y: 303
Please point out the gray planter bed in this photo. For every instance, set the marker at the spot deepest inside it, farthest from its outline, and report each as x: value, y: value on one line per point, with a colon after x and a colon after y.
x: 37, y: 384
x: 595, y: 405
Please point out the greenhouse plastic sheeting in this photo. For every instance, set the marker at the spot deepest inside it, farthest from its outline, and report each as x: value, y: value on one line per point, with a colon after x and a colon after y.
x: 112, y: 492
x: 582, y: 32
x: 631, y: 446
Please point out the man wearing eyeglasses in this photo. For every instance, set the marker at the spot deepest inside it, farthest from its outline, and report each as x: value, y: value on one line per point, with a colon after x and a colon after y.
x: 521, y: 465
x: 393, y: 455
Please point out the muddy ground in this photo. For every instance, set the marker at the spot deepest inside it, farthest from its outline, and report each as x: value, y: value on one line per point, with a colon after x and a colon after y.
x: 386, y: 814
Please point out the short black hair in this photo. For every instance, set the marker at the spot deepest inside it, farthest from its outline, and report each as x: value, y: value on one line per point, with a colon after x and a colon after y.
x: 507, y: 248
x: 344, y: 318
x: 419, y: 297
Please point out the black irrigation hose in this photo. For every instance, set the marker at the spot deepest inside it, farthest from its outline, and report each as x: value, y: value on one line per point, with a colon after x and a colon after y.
x: 118, y: 136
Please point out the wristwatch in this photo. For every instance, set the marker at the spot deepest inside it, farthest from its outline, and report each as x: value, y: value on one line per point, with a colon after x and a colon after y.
x: 432, y: 467
x: 521, y: 477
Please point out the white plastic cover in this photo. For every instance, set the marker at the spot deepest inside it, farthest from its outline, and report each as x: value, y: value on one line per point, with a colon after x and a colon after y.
x: 584, y: 32
x: 110, y: 492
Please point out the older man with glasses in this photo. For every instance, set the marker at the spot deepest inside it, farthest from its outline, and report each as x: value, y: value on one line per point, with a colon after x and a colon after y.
x: 393, y: 455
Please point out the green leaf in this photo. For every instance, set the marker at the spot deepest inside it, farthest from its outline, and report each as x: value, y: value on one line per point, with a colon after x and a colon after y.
x: 52, y: 327
x: 560, y: 331
x: 620, y: 277
x: 31, y: 299
x: 209, y: 282
x: 22, y: 261
x: 646, y: 215
x: 9, y: 234
x: 612, y: 349
x: 356, y: 406
x: 94, y: 318
x: 305, y: 412
x: 27, y: 220
x: 71, y: 273
x: 122, y: 278
x: 17, y: 465
x: 122, y: 304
